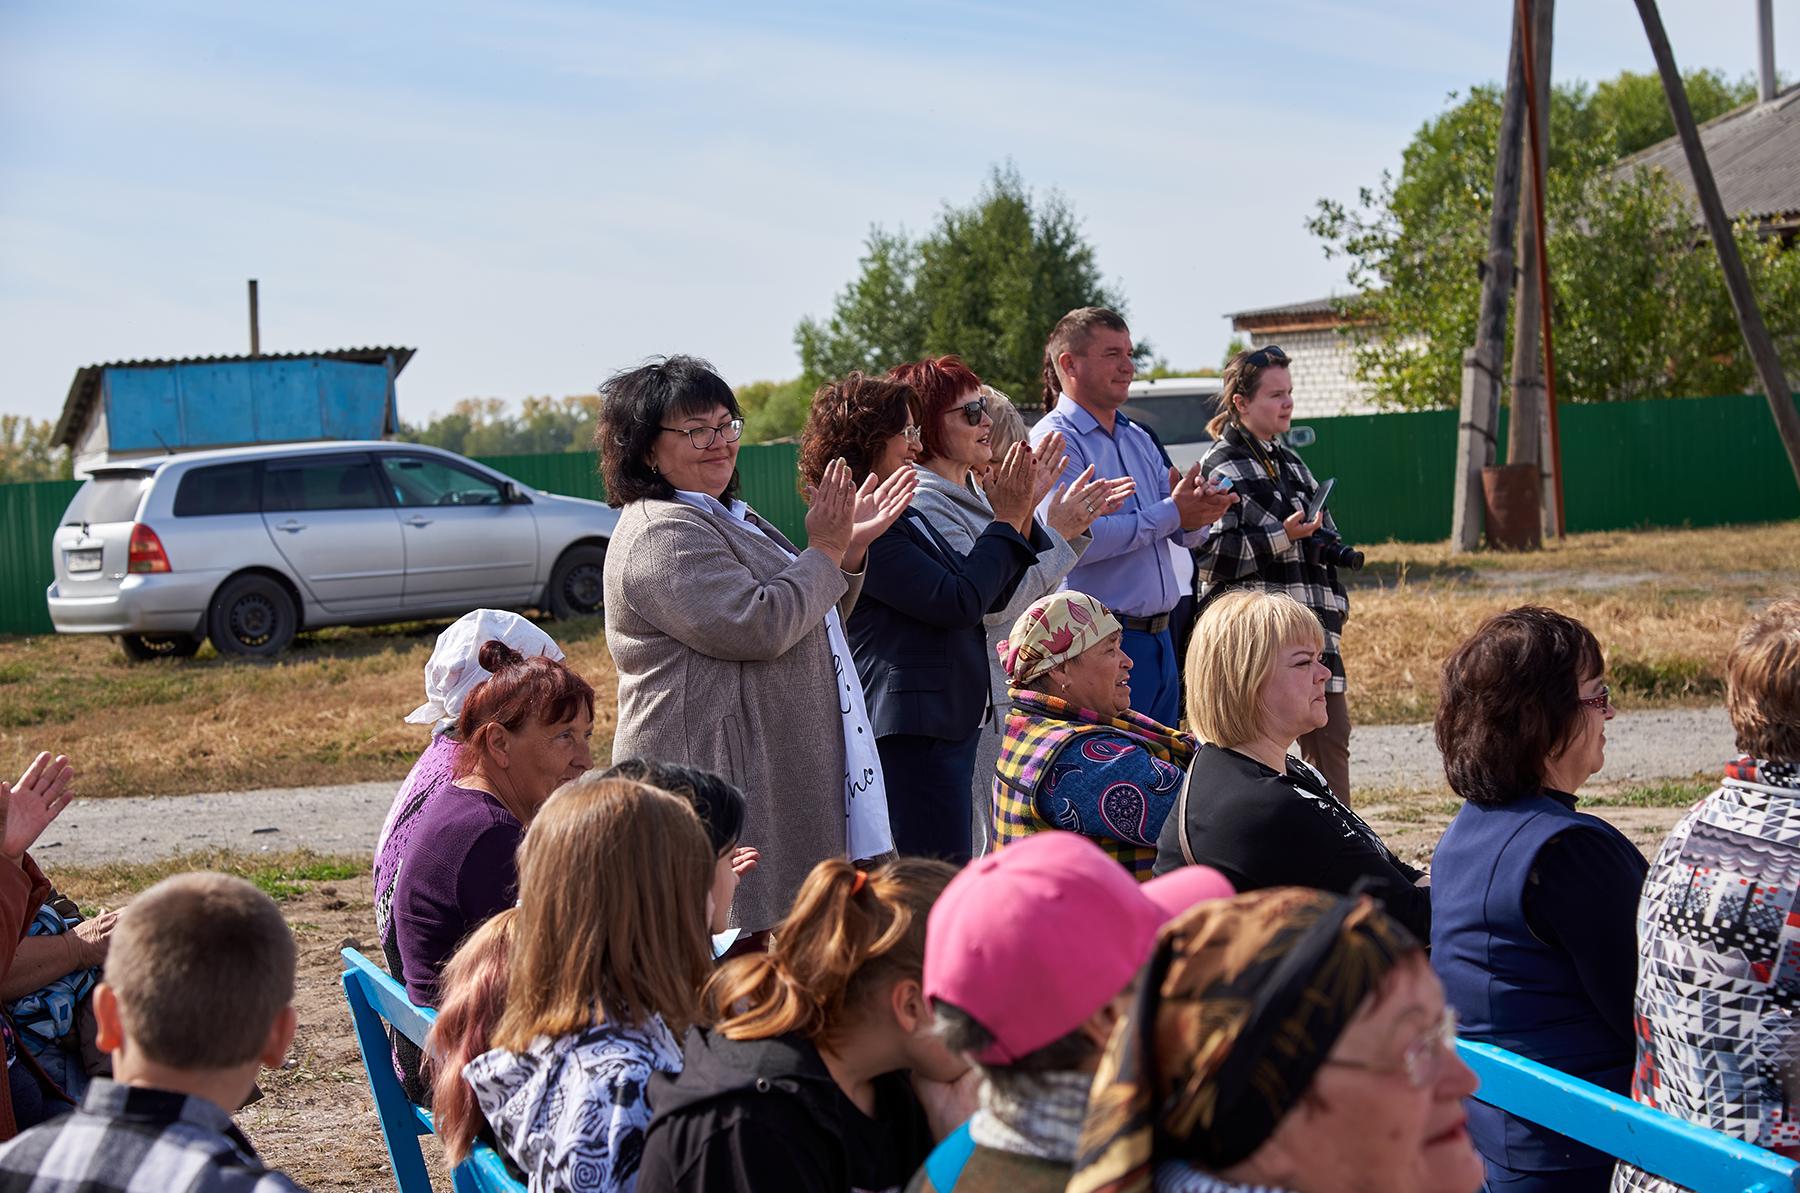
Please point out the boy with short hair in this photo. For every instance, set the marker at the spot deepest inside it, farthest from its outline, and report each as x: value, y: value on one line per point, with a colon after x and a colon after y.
x: 198, y: 997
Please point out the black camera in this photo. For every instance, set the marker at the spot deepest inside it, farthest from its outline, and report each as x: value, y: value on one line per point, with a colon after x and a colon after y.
x: 1335, y: 551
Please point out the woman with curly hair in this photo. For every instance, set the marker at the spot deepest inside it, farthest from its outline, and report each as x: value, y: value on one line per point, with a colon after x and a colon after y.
x: 917, y: 634
x: 728, y: 639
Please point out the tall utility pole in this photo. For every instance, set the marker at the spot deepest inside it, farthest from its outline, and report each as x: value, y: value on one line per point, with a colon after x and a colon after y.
x: 1737, y: 282
x: 255, y: 323
x: 1527, y: 438
x: 1475, y: 439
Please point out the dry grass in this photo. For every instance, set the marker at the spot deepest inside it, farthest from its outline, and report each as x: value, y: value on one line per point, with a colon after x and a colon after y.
x: 1665, y: 605
x: 328, y: 712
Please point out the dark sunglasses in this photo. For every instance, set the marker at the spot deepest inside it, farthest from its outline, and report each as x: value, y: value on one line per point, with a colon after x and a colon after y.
x: 973, y: 410
x: 1262, y: 358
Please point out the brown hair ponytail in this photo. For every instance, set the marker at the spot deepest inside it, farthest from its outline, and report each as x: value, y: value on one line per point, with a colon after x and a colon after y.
x: 848, y: 936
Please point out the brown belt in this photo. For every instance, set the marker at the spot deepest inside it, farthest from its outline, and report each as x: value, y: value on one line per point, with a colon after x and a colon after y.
x: 1147, y: 625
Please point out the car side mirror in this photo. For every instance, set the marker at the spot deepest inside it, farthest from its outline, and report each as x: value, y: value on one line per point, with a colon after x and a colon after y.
x: 1301, y: 437
x: 512, y: 494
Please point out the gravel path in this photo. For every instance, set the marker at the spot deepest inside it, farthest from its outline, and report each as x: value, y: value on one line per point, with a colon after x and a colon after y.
x: 345, y: 819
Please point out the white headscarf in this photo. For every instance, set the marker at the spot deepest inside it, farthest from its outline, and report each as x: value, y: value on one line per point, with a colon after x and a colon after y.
x: 455, y: 667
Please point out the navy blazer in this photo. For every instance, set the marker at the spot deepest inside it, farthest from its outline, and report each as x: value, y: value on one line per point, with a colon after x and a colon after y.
x: 916, y: 632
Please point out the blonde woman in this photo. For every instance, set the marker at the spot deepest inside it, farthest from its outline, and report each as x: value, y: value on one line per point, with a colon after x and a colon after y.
x: 609, y: 951
x: 824, y: 1061
x: 1256, y: 680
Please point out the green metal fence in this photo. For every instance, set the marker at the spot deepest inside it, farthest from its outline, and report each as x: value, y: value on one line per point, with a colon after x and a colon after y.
x: 1685, y: 461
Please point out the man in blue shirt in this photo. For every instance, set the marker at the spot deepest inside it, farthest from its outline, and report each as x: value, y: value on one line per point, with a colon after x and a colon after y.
x: 1087, y: 378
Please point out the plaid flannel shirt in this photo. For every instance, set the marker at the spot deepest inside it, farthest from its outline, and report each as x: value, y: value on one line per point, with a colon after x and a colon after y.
x: 1249, y: 548
x: 128, y: 1139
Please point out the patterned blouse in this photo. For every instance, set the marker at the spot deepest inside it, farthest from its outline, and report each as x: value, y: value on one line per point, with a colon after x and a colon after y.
x: 1111, y: 779
x: 1719, y: 965
x: 571, y: 1112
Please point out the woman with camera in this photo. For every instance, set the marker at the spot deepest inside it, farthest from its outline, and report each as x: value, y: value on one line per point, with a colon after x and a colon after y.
x: 1266, y: 540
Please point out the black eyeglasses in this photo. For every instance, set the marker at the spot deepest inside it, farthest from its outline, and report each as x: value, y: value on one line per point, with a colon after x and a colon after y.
x: 704, y: 437
x: 973, y: 410
x: 1263, y: 357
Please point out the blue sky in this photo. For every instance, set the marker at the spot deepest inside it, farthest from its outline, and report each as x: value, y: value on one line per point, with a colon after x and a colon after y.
x: 535, y: 194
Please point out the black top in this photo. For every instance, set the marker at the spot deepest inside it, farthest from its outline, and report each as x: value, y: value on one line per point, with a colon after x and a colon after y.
x: 1582, y: 896
x: 1263, y: 829
x: 917, y: 634
x: 765, y: 1116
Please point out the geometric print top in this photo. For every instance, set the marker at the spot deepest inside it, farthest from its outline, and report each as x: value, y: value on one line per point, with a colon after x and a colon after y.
x: 1719, y: 965
x: 572, y: 1111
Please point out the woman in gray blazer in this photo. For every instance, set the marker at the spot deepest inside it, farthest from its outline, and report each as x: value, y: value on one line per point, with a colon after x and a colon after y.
x: 960, y: 438
x: 727, y: 638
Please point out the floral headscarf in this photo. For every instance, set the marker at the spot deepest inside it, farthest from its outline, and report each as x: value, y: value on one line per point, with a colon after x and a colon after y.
x: 1054, y: 630
x: 1239, y: 1006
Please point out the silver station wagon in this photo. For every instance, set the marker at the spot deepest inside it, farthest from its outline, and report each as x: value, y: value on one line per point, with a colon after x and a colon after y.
x: 247, y: 546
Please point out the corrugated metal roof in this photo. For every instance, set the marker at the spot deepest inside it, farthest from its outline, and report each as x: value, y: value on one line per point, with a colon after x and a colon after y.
x: 1755, y: 157
x: 1316, y: 306
x: 87, y: 379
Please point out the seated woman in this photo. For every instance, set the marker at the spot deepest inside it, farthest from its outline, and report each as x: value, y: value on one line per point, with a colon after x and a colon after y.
x: 1710, y: 1013
x: 812, y: 1079
x: 608, y: 954
x: 34, y: 961
x: 960, y: 426
x: 523, y: 733
x: 1367, y: 1092
x: 917, y: 633
x: 451, y: 674
x: 1076, y: 757
x: 1534, y: 903
x: 1716, y: 981
x: 472, y: 996
x: 1255, y: 683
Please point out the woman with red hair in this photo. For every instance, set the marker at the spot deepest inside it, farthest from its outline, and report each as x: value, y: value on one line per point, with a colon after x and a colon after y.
x: 524, y: 733
x: 956, y: 444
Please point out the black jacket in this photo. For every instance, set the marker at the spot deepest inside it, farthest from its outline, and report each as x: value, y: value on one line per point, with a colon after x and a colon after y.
x: 1261, y: 829
x: 765, y: 1116
x: 916, y: 632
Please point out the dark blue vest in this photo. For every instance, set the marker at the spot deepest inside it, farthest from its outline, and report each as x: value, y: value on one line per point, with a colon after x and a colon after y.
x: 1508, y: 987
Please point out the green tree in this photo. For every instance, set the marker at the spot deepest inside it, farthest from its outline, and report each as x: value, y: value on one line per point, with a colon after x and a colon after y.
x: 1640, y: 309
x: 773, y: 409
x: 27, y: 453
x: 988, y: 282
x: 490, y: 427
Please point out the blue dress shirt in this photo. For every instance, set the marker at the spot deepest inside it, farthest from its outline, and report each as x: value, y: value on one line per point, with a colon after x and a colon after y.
x: 1128, y: 567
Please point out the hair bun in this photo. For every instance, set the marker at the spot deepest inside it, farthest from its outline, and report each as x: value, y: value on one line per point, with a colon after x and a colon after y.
x: 496, y: 656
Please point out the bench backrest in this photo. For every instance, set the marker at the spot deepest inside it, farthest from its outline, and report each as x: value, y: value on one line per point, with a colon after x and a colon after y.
x: 1692, y: 1156
x: 376, y: 998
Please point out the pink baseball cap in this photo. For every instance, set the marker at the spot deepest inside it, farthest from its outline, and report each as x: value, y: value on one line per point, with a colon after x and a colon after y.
x: 1179, y: 890
x: 1034, y: 938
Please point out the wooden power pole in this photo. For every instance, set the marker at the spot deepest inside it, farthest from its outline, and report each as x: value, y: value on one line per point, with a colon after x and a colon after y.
x: 1527, y: 439
x: 1475, y: 439
x: 1718, y: 224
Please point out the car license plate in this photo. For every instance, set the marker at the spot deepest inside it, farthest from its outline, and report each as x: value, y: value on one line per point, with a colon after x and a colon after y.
x: 84, y: 561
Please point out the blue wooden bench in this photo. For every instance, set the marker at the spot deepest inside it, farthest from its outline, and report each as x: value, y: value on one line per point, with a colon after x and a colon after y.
x: 375, y: 997
x: 1695, y: 1157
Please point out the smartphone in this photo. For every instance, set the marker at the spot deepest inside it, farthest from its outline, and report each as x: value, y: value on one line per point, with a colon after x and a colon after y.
x: 1318, y: 499
x: 1222, y: 484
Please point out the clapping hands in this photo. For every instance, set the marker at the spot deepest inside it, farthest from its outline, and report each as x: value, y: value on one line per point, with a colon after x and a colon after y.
x: 844, y: 518
x: 1077, y: 505
x: 28, y: 806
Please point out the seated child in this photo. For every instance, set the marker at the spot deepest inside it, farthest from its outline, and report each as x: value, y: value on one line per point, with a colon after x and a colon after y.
x: 198, y: 997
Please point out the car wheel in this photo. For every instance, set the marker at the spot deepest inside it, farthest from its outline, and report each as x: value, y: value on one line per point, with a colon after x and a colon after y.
x: 578, y: 583
x: 139, y: 647
x: 252, y: 616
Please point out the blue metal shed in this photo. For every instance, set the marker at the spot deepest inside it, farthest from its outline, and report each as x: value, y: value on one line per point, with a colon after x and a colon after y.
x: 149, y: 407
